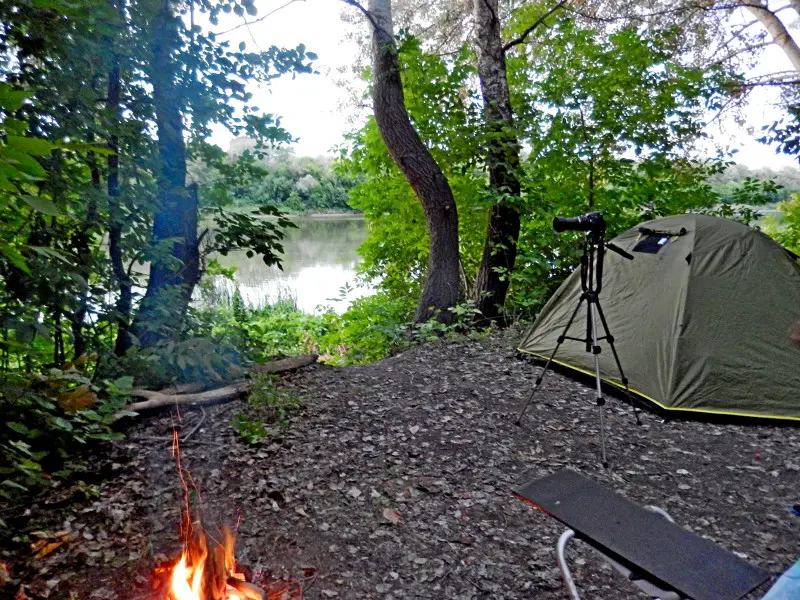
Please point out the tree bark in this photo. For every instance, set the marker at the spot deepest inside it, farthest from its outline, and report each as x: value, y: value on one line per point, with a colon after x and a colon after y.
x: 158, y: 400
x: 169, y: 288
x: 440, y: 292
x: 82, y: 242
x: 125, y: 298
x: 776, y: 28
x: 500, y: 248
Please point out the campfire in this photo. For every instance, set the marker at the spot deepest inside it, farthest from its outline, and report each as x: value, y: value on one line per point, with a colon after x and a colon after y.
x: 207, y: 568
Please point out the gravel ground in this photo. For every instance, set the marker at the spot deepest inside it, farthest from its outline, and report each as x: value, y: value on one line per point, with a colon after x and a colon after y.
x: 395, y: 481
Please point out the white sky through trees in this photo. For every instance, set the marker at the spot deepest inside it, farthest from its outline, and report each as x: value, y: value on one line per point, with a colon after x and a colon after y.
x: 319, y: 112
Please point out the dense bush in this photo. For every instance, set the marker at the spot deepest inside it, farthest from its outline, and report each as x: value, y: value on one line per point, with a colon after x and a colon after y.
x: 50, y: 421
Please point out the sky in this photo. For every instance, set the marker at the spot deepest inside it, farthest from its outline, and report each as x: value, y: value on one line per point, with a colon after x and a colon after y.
x: 315, y: 109
x: 310, y: 105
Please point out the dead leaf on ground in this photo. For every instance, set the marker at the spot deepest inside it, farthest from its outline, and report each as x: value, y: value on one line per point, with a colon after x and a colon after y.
x: 391, y: 515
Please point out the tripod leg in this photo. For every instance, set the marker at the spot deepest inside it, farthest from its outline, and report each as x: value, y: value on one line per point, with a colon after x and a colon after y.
x: 539, y: 379
x: 610, y: 340
x: 600, y: 400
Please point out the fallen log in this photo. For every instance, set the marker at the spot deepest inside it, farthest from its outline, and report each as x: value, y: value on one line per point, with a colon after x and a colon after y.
x: 183, y: 388
x: 182, y: 394
x: 157, y: 399
x: 287, y: 364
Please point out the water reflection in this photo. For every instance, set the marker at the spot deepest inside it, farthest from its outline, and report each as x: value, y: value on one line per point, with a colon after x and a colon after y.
x: 320, y: 257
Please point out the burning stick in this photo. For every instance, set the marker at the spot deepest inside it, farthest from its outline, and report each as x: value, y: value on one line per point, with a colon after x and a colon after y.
x: 248, y: 589
x: 207, y: 568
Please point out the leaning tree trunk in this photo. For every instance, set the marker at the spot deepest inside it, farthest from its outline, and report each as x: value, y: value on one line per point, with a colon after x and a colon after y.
x: 169, y: 288
x: 776, y: 28
x: 500, y: 248
x: 420, y: 169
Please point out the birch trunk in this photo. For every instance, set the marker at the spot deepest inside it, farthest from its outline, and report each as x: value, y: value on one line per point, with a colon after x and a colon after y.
x: 780, y: 35
x: 502, y: 233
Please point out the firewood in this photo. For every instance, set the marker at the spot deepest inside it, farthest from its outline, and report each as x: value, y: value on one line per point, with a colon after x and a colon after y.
x: 157, y: 399
x: 248, y: 589
x: 181, y: 394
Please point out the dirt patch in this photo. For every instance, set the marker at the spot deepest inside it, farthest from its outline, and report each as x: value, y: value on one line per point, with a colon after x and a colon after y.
x: 395, y: 482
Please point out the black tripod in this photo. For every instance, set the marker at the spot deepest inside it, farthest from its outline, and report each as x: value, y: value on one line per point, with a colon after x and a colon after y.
x: 591, y: 283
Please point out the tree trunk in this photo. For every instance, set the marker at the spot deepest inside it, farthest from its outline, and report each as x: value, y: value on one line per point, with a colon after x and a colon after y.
x: 173, y: 274
x: 500, y: 248
x: 420, y: 169
x: 124, y: 300
x: 776, y: 28
x: 82, y: 243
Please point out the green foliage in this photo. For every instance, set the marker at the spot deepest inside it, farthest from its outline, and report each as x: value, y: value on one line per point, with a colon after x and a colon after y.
x: 445, y: 111
x: 250, y: 430
x: 371, y: 328
x: 259, y: 334
x: 785, y: 181
x: 269, y: 406
x: 276, y: 178
x: 189, y: 360
x: 48, y: 421
x: 275, y: 405
x: 605, y: 122
x: 258, y: 236
x: 786, y: 228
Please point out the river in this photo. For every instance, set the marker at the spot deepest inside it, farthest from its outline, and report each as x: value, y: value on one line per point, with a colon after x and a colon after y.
x: 320, y: 257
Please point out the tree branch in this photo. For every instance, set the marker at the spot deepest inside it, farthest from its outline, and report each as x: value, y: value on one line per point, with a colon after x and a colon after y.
x: 491, y: 10
x: 367, y: 14
x: 259, y: 19
x: 764, y: 83
x: 521, y: 39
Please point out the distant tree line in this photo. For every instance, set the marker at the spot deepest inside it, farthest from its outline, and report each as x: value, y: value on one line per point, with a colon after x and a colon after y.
x: 247, y: 177
x: 725, y: 183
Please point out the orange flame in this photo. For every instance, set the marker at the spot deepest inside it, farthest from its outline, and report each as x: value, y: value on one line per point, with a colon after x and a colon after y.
x: 208, y: 571
x: 203, y: 572
x: 209, y: 574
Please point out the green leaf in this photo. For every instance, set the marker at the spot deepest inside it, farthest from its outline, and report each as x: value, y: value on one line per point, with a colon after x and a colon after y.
x: 13, y: 484
x: 25, y: 163
x: 10, y: 99
x: 52, y: 253
x: 77, y: 147
x: 109, y: 437
x: 62, y: 424
x: 40, y: 204
x: 14, y: 257
x: 127, y: 413
x: 12, y: 125
x: 29, y: 145
x: 18, y: 427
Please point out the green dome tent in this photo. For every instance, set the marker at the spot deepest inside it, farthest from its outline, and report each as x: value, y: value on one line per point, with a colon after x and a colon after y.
x: 701, y: 319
